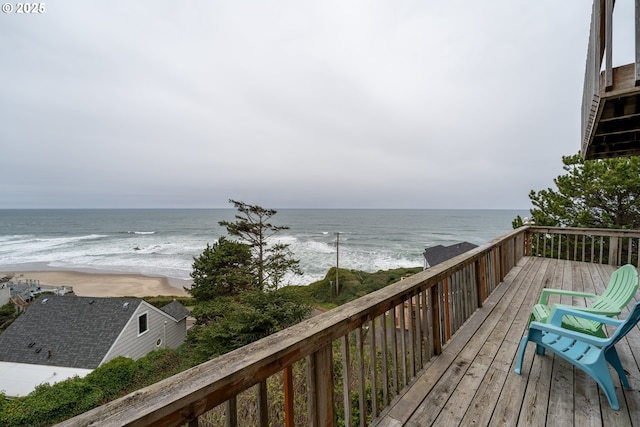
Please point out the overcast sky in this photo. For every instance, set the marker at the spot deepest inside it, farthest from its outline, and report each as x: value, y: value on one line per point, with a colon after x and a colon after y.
x: 320, y: 104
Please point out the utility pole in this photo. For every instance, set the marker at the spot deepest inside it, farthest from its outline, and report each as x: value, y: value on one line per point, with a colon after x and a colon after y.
x: 337, y: 261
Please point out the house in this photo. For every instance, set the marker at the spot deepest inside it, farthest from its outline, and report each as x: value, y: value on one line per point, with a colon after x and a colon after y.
x: 437, y: 254
x: 59, y: 337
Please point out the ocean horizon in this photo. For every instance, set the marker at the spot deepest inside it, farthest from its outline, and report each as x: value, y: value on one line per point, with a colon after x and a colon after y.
x: 163, y: 242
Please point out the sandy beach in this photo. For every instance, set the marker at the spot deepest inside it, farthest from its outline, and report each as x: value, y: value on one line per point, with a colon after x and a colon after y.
x: 101, y: 284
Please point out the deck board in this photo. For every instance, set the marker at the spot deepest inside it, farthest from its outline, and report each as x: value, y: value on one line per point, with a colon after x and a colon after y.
x: 472, y: 382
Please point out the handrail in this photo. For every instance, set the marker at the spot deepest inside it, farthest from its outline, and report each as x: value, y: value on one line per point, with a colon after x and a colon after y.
x: 349, y: 362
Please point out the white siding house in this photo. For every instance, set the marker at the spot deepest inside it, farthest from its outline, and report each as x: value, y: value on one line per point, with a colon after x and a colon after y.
x: 61, y: 336
x: 149, y: 328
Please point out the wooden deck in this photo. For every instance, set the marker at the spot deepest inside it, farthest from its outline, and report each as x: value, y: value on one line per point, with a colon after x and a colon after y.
x: 472, y: 382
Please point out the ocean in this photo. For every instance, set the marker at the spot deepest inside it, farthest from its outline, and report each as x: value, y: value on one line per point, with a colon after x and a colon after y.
x: 164, y: 242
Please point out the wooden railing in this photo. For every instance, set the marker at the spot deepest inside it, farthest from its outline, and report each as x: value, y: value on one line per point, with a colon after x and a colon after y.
x: 595, y: 245
x: 349, y: 363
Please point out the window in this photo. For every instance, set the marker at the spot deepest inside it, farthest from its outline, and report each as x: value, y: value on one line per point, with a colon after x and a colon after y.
x: 142, y: 324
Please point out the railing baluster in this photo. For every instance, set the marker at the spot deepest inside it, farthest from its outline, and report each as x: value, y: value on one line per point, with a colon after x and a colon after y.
x: 472, y: 294
x: 394, y: 352
x: 481, y: 289
x: 418, y: 328
x: 231, y: 412
x: 384, y: 359
x: 263, y: 412
x: 374, y: 367
x: 361, y: 377
x: 403, y: 344
x: 312, y: 400
x: 435, y: 320
x: 425, y: 327
x: 287, y: 378
x: 447, y: 308
x: 346, y: 383
x: 601, y: 248
x: 410, y: 330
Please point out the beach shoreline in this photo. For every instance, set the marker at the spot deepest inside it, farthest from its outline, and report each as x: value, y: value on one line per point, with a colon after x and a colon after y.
x: 97, y: 283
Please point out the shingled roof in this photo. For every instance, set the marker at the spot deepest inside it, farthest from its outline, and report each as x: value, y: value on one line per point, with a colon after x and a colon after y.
x: 437, y: 254
x: 175, y: 310
x: 67, y: 331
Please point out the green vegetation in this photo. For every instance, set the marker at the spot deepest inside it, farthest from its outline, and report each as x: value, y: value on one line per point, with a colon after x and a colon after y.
x: 223, y: 269
x: 229, y: 323
x: 8, y: 314
x: 50, y: 404
x: 237, y: 286
x: 353, y: 284
x: 593, y: 193
x: 271, y: 261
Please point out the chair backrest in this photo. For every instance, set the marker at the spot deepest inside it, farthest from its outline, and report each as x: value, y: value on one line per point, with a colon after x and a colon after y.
x: 628, y: 324
x: 622, y: 287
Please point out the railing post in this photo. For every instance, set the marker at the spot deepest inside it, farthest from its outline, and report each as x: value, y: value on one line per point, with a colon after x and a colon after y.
x: 320, y: 386
x: 613, y: 250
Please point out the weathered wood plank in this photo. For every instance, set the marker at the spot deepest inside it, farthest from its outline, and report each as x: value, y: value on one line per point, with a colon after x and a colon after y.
x: 484, y: 409
x: 536, y: 396
x: 492, y: 361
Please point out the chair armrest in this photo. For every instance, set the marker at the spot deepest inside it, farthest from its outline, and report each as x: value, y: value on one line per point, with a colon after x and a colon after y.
x: 590, y: 339
x: 559, y: 311
x: 544, y: 296
x: 608, y: 313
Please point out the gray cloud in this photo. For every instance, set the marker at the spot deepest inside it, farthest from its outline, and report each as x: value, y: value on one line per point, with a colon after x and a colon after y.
x: 289, y: 103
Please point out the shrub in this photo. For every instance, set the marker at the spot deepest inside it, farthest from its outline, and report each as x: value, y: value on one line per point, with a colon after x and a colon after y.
x: 49, y: 404
x: 113, y: 377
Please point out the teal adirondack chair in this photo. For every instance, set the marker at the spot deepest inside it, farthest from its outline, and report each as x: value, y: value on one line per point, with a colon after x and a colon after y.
x: 589, y: 353
x: 622, y: 286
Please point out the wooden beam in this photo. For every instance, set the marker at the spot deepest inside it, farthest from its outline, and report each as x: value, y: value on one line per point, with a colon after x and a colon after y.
x: 637, y: 27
